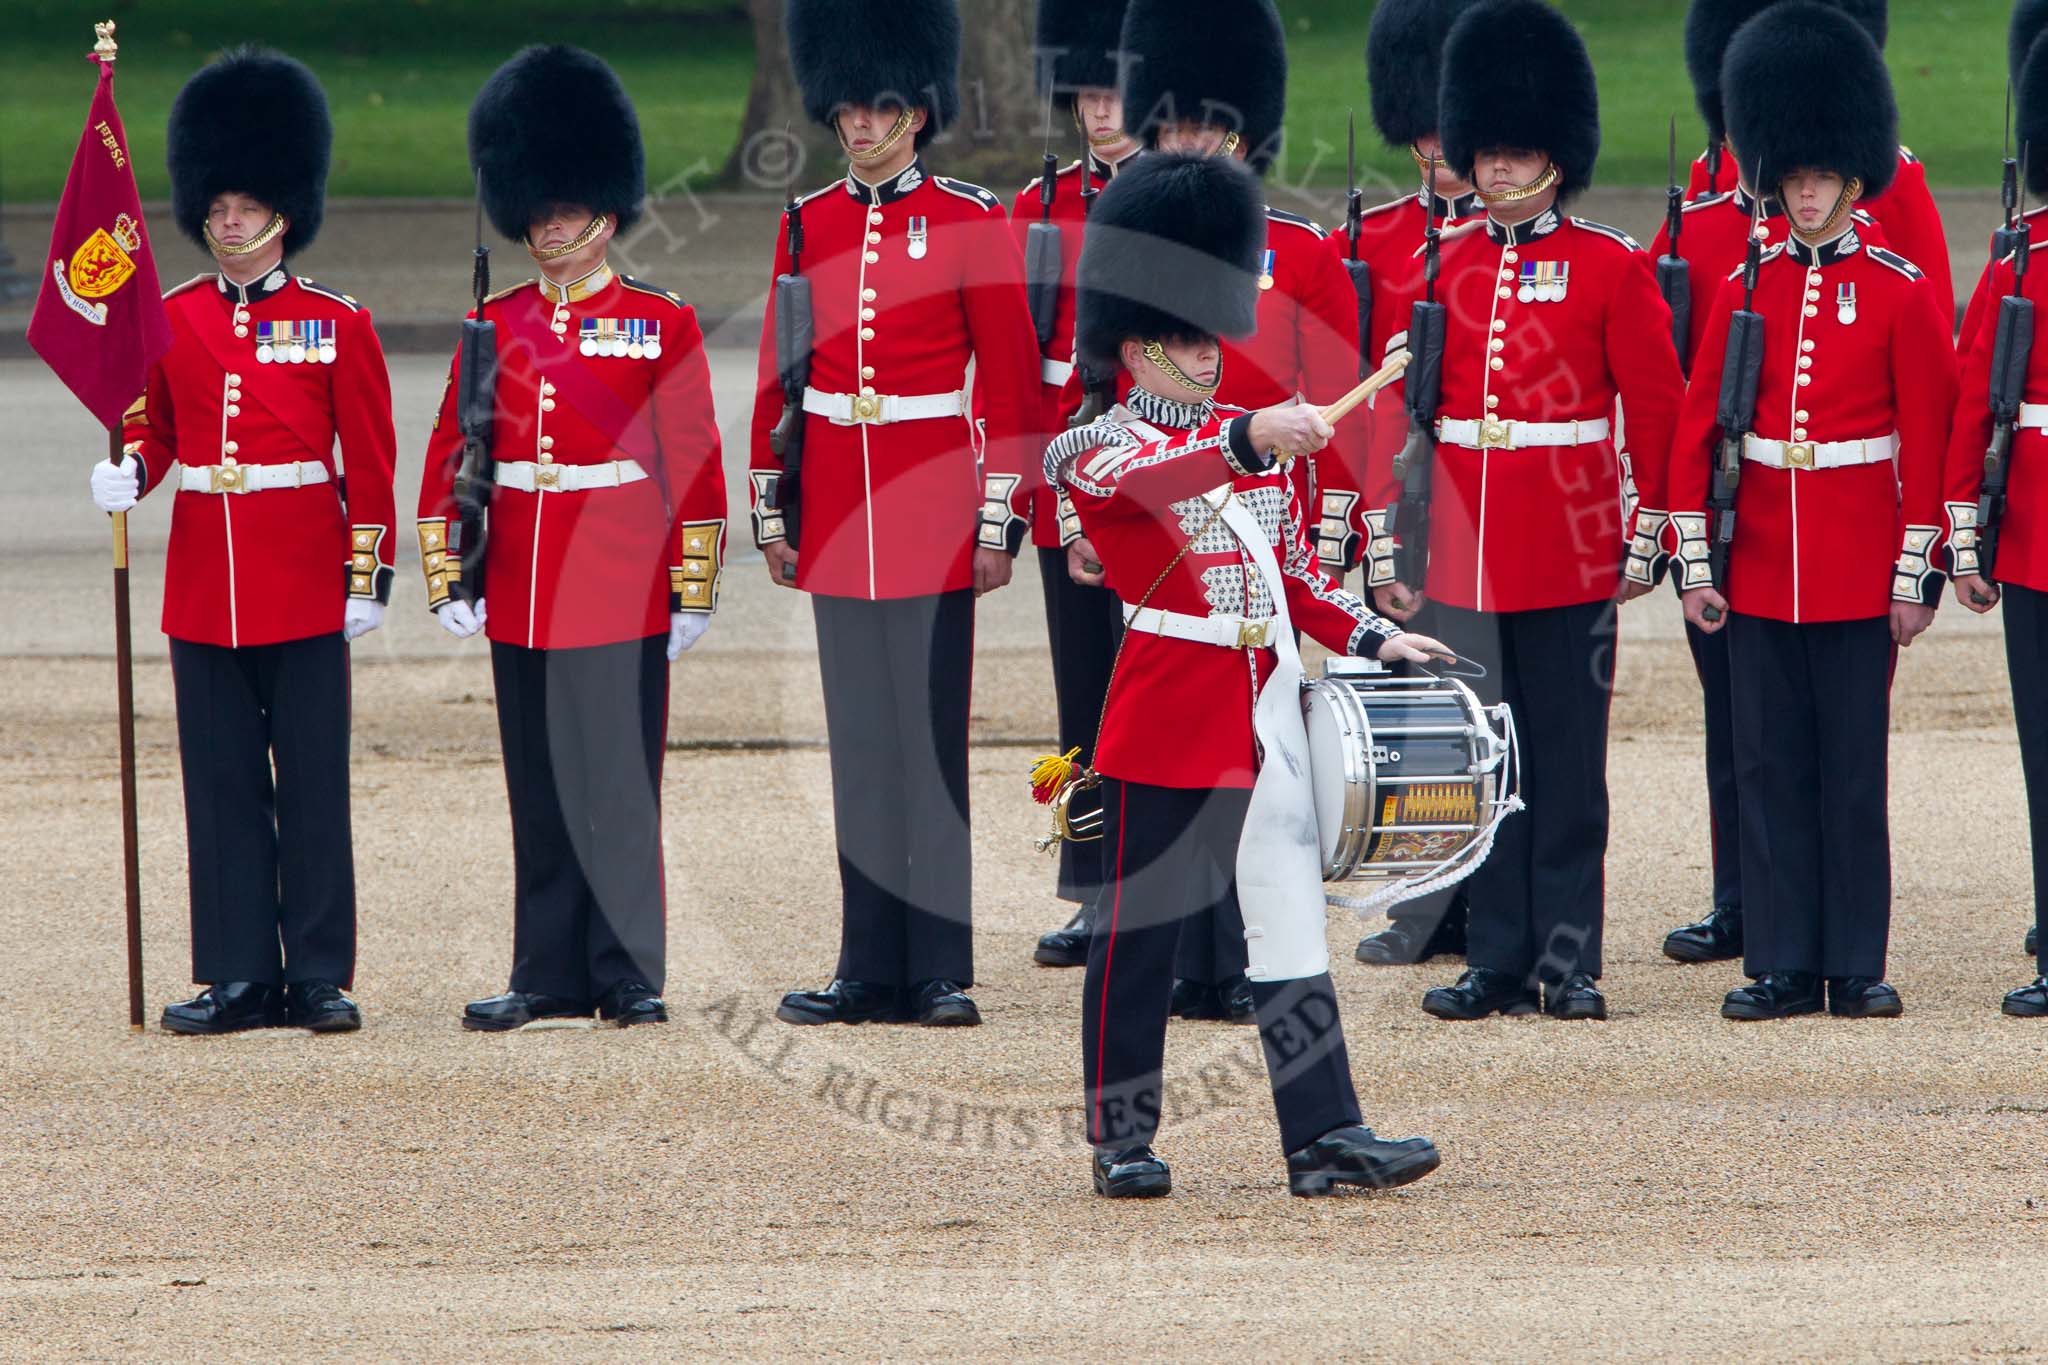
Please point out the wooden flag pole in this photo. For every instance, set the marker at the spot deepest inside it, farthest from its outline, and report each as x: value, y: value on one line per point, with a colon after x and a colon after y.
x: 124, y: 682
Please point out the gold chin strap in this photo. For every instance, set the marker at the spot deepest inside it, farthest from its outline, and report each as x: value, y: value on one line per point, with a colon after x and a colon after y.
x: 1228, y: 147
x: 882, y: 148
x: 574, y: 245
x: 1852, y: 190
x: 1109, y: 140
x: 1528, y: 191
x: 270, y: 233
x: 1156, y: 353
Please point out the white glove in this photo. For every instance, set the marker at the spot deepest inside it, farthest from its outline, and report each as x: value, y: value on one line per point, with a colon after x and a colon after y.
x: 458, y: 619
x: 360, y: 617
x: 685, y: 628
x: 115, y: 488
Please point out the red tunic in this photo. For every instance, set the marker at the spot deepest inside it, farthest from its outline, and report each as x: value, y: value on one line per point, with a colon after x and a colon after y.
x: 909, y: 280
x: 570, y: 568
x: 2023, y: 532
x: 1827, y: 544
x: 259, y: 568
x: 1906, y: 212
x: 1973, y: 315
x: 1550, y: 321
x: 1179, y: 711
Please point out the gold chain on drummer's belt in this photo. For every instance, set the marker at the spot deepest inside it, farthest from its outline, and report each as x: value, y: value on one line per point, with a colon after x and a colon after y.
x: 262, y: 239
x: 581, y: 240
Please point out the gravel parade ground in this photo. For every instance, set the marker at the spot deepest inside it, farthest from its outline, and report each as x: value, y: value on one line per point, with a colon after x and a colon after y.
x: 1664, y: 1184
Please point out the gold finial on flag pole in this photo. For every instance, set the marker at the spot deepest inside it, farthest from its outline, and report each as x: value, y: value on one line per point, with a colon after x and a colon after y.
x: 106, y: 49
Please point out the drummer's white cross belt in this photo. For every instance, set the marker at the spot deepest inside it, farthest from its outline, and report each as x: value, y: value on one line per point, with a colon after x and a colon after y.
x: 1500, y: 433
x: 879, y: 409
x: 1818, y: 454
x: 1230, y: 632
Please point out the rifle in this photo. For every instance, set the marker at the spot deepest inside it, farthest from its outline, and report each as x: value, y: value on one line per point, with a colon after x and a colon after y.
x: 1408, y: 518
x: 1674, y: 274
x: 2012, y: 351
x: 1098, y: 387
x: 795, y: 325
x: 1742, y: 367
x: 1354, y: 224
x: 2005, y: 239
x: 1042, y: 253
x: 476, y: 412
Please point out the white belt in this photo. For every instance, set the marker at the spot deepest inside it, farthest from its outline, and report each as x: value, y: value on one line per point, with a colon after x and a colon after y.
x: 1231, y: 632
x: 528, y: 477
x: 250, y: 478
x: 845, y: 409
x: 1496, y: 433
x: 2034, y: 416
x: 1818, y: 454
x: 1056, y: 372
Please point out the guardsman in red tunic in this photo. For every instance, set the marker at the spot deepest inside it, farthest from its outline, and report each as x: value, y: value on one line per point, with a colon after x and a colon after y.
x: 1211, y: 78
x: 907, y: 510
x: 2029, y: 21
x: 1403, y: 56
x: 1837, y: 515
x: 1202, y: 517
x: 2017, y: 576
x: 276, y: 561
x: 1905, y: 210
x: 606, y: 538
x: 1551, y: 321
x: 1077, y: 54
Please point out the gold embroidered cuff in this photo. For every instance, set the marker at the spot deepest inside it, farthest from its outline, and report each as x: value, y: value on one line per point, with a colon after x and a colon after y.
x: 1915, y: 578
x: 1694, y: 568
x: 442, y: 569
x: 693, y: 584
x: 1962, y: 538
x: 368, y: 577
x: 1001, y: 527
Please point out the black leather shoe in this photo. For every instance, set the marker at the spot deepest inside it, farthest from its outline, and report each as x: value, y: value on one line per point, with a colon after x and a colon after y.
x: 1195, y: 1000
x: 227, y: 1007
x: 321, y: 1007
x: 2034, y: 941
x: 1402, y: 943
x: 843, y: 1002
x: 1717, y: 938
x: 630, y: 1003
x: 2028, y: 1002
x: 1576, y: 997
x: 1775, y: 995
x: 1065, y: 947
x: 944, y: 1004
x: 1235, y: 999
x: 517, y: 1009
x: 1353, y: 1156
x: 1480, y: 992
x: 1134, y: 1173
x: 1863, y: 997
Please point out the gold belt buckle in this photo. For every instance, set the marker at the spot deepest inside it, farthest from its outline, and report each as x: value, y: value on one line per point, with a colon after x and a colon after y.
x: 867, y: 407
x: 1799, y: 455
x: 1494, y: 433
x: 1254, y: 634
x: 548, y: 476
x: 224, y: 479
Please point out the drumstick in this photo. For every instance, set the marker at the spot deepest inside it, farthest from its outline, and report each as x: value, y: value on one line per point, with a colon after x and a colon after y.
x: 1379, y: 379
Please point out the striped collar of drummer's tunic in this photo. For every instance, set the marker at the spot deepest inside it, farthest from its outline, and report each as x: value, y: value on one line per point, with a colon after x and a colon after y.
x: 1167, y: 412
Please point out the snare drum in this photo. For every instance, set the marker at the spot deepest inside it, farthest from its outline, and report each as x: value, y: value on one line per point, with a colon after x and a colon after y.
x: 1409, y: 773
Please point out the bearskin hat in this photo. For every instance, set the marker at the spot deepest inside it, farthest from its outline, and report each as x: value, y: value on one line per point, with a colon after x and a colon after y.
x: 1537, y: 90
x: 1710, y: 26
x: 1078, y: 46
x: 1806, y: 87
x: 254, y: 122
x: 879, y: 53
x: 1222, y: 62
x: 1172, y: 252
x: 553, y: 126
x: 1403, y: 54
x: 2030, y: 111
x: 2029, y: 18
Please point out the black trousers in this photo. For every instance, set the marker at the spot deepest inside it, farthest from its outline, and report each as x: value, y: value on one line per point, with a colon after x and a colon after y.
x: 1710, y: 661
x: 1812, y: 707
x: 263, y: 742
x: 1084, y: 625
x: 1168, y: 849
x: 2026, y: 657
x: 1425, y: 913
x: 583, y: 732
x: 898, y: 675
x: 1538, y: 903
